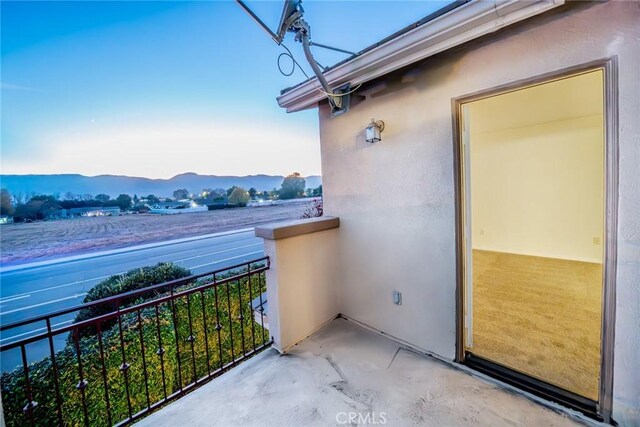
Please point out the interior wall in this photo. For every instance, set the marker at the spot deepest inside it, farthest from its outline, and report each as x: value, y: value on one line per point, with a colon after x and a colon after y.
x: 539, y: 189
x: 396, y: 199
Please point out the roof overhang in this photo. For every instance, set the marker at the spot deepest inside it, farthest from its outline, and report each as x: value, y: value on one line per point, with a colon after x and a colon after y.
x: 462, y: 24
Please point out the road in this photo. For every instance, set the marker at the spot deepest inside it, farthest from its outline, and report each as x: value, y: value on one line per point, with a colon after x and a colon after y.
x: 31, y: 291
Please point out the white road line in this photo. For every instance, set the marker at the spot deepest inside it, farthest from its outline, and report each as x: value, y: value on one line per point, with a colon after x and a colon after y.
x: 33, y: 331
x: 58, y: 286
x: 226, y: 259
x: 212, y: 253
x: 26, y: 294
x: 43, y: 303
x: 13, y: 298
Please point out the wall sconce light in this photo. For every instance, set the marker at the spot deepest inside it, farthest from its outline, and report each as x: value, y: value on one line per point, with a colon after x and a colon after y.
x: 374, y: 130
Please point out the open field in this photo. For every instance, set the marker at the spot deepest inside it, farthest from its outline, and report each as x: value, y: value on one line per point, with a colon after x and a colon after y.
x: 48, y: 239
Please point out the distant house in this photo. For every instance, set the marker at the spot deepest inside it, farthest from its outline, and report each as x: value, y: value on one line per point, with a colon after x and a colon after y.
x: 54, y: 213
x: 93, y: 211
x: 172, y: 208
x: 170, y: 205
x: 6, y: 219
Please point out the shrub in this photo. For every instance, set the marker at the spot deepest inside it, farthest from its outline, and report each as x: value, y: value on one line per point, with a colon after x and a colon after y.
x: 313, y: 210
x: 130, y: 281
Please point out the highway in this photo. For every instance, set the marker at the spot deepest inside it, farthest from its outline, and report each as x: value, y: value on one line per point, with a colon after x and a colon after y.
x: 28, y: 291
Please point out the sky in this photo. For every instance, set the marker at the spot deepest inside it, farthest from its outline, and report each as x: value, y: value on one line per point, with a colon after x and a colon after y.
x: 156, y: 89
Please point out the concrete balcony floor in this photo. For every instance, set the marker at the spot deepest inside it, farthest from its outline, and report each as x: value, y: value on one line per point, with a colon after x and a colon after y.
x: 345, y: 369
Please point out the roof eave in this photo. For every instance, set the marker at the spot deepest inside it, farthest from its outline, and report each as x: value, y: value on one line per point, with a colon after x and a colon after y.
x: 463, y: 24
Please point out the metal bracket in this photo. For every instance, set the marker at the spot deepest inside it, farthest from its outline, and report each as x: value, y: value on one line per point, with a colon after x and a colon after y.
x: 342, y: 94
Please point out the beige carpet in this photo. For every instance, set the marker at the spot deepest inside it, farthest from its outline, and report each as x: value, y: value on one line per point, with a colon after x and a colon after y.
x: 539, y: 316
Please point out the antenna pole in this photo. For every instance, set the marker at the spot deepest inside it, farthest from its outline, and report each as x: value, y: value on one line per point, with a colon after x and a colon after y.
x: 292, y: 21
x: 316, y: 69
x: 273, y: 35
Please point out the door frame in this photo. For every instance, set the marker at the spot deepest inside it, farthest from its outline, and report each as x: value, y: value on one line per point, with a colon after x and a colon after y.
x: 603, y: 407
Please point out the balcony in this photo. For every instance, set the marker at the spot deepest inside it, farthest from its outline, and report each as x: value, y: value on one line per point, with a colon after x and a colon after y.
x: 326, y: 369
x: 261, y: 343
x: 345, y: 374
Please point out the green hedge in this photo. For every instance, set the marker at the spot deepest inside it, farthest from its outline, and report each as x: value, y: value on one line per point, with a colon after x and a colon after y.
x: 233, y: 300
x: 132, y: 280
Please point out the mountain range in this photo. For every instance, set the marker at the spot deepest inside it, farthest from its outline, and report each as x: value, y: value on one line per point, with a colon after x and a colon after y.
x: 116, y: 184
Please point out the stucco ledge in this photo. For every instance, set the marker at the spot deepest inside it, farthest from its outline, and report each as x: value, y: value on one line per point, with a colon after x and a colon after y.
x: 285, y: 229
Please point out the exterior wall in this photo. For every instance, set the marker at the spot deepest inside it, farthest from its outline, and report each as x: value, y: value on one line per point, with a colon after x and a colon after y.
x: 395, y: 199
x: 301, y: 290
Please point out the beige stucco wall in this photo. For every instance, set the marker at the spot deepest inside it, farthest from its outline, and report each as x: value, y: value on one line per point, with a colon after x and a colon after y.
x: 395, y: 199
x: 301, y: 290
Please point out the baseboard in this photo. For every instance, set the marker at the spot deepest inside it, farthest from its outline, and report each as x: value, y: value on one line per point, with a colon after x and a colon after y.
x: 539, y: 255
x: 306, y: 335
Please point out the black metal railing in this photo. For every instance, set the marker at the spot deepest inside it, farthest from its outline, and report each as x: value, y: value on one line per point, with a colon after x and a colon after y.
x: 153, y: 346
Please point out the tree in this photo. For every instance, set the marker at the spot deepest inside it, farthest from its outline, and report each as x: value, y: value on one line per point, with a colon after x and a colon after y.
x: 124, y: 201
x: 42, y: 198
x: 28, y: 210
x: 265, y: 195
x: 152, y: 199
x: 70, y: 196
x: 135, y: 199
x: 292, y: 187
x: 87, y: 197
x: 230, y: 190
x: 37, y: 208
x: 239, y: 196
x: 6, y: 203
x: 252, y: 193
x: 18, y: 198
x: 318, y: 191
x: 103, y: 198
x: 181, y: 194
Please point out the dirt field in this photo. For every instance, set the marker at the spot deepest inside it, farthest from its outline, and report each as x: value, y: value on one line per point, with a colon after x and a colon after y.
x: 47, y: 239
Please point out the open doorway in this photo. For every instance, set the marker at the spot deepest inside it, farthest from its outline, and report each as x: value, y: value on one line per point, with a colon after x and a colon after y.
x: 532, y: 233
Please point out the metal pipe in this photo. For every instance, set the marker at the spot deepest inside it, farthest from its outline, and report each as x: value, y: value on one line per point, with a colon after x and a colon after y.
x: 316, y: 69
x: 332, y: 48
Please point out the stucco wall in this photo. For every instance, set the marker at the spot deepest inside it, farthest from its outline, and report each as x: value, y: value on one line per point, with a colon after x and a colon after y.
x: 301, y: 293
x: 395, y: 199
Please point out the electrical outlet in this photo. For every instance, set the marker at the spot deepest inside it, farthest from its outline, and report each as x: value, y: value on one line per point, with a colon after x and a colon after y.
x: 596, y: 240
x: 397, y: 298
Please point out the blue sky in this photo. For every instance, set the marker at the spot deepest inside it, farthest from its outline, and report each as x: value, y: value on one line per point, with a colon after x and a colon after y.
x: 160, y: 88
